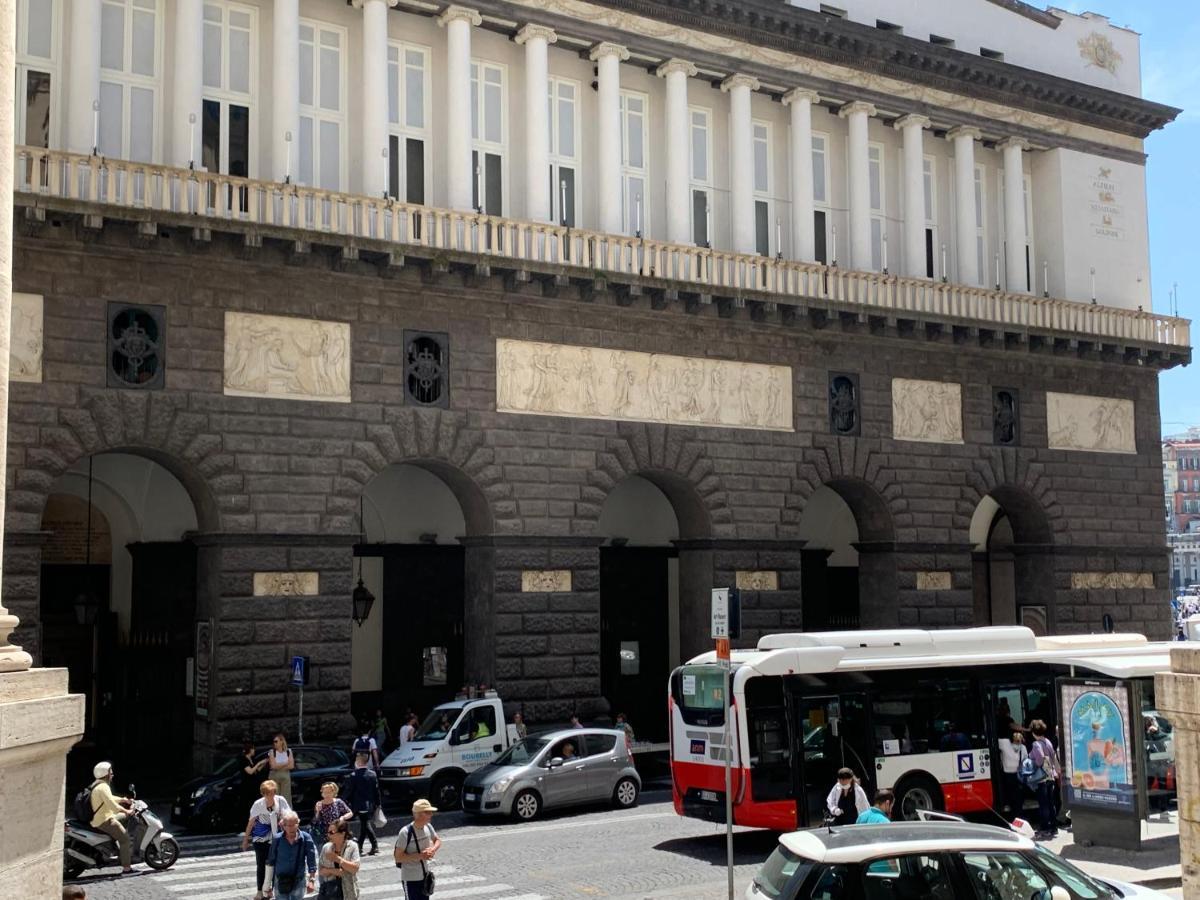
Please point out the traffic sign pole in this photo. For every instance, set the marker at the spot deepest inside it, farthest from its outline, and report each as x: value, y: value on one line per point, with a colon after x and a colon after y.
x: 720, y: 632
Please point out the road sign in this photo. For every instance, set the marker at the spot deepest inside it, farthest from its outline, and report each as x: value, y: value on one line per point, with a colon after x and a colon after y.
x: 720, y: 612
x: 299, y: 669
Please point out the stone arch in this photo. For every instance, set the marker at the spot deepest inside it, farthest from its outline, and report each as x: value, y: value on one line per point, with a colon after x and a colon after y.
x: 870, y: 509
x: 853, y: 468
x: 1016, y: 480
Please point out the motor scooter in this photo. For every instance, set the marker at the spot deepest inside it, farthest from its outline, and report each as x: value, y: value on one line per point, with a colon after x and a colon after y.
x: 86, y: 848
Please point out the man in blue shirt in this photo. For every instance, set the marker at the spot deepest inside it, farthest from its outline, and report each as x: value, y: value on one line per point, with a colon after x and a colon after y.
x: 292, y: 852
x: 881, y: 812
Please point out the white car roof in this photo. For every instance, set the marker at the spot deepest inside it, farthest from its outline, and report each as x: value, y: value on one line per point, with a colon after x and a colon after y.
x: 857, y: 843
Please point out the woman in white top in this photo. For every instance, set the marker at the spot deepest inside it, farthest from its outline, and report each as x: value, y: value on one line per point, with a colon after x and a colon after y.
x: 1012, y: 754
x: 263, y: 827
x: 340, y: 859
x: 281, y: 763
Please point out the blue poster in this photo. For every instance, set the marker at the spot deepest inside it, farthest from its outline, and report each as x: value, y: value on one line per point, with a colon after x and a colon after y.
x: 1096, y: 758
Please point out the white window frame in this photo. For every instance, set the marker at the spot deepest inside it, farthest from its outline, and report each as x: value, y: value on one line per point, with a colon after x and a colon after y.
x: 559, y: 159
x: 878, y: 213
x: 823, y: 204
x: 480, y: 145
x: 697, y: 184
x: 127, y: 80
x: 981, y: 242
x: 1027, y: 183
x: 400, y: 129
x: 767, y: 195
x: 319, y: 114
x: 226, y: 95
x: 49, y: 65
x: 629, y: 216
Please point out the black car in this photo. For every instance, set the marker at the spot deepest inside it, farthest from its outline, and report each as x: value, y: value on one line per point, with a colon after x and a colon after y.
x: 221, y: 801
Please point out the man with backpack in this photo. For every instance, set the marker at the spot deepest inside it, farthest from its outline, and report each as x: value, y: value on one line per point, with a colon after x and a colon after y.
x: 365, y: 743
x: 362, y: 796
x: 1040, y: 771
x: 101, y: 810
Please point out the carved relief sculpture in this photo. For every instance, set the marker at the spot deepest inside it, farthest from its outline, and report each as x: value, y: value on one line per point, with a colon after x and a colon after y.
x: 1082, y: 581
x: 1099, y: 424
x: 1099, y: 51
x: 761, y: 580
x: 928, y: 411
x: 25, y: 354
x: 545, y: 581
x: 286, y: 584
x: 565, y: 380
x: 296, y: 359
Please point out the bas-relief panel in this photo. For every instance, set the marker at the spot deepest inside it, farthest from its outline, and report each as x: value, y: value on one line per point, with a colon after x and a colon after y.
x: 1080, y: 422
x: 927, y: 411
x: 934, y: 581
x: 296, y: 359
x: 566, y: 380
x: 545, y: 581
x: 760, y: 580
x: 25, y: 354
x: 286, y: 584
x: 1082, y: 581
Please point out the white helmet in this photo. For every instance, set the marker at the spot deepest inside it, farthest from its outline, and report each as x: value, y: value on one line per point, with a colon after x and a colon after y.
x: 102, y: 770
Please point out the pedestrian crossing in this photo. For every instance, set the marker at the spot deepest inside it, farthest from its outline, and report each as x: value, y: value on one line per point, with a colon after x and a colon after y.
x: 215, y: 868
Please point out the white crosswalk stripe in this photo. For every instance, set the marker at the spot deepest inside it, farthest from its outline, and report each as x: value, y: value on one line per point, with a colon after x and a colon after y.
x: 228, y: 874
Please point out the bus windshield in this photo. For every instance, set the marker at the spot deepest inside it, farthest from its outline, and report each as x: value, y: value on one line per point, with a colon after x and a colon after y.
x: 698, y: 692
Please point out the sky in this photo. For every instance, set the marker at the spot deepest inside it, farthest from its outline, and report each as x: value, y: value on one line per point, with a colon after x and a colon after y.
x: 1170, y: 31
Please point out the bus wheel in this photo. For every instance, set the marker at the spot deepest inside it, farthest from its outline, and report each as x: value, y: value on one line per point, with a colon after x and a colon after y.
x: 918, y: 792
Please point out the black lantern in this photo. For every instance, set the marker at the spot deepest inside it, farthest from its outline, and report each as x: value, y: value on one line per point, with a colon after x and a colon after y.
x: 87, y: 606
x: 363, y: 600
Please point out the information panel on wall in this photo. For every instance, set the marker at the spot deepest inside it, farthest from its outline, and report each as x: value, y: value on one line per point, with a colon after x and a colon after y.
x: 1097, y: 745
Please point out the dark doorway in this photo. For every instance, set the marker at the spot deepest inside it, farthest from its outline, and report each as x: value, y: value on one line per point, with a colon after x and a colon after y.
x: 634, y: 639
x: 422, y: 621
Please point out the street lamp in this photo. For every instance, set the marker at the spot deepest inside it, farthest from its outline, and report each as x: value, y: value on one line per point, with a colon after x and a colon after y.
x: 361, y: 598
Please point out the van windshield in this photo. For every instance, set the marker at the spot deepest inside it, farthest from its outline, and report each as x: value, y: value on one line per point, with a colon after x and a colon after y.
x: 436, y: 725
x: 522, y: 752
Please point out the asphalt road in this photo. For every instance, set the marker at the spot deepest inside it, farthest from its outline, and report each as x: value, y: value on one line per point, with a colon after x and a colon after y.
x: 647, y: 851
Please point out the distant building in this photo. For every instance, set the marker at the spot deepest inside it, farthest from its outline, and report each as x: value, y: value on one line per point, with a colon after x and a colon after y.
x: 1185, y: 560
x: 1181, y: 483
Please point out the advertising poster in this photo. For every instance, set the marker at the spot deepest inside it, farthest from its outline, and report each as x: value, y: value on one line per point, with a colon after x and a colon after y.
x: 1097, y: 745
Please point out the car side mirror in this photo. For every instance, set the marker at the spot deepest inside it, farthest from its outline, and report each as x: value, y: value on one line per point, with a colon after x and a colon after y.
x: 1054, y: 893
x: 555, y: 762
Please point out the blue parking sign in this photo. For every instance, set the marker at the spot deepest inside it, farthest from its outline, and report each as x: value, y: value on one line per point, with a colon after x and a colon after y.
x: 299, y: 671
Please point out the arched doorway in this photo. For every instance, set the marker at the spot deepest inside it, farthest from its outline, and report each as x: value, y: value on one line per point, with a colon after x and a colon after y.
x: 118, y: 609
x: 411, y: 651
x: 639, y: 602
x: 1011, y: 571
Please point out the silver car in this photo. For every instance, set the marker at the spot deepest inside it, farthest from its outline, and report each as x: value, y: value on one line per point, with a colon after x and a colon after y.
x: 552, y: 770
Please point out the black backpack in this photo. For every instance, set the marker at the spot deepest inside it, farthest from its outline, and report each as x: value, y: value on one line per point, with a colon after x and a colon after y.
x: 83, y: 804
x: 362, y: 745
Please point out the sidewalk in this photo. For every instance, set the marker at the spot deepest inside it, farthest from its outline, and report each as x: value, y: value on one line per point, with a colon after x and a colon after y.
x: 1156, y: 866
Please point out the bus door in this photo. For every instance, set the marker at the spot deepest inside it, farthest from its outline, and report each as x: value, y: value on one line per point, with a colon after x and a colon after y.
x: 1013, y: 707
x: 833, y: 733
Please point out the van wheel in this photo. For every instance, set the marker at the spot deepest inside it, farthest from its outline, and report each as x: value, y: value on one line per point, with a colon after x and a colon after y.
x: 918, y: 792
x: 526, y: 806
x: 625, y: 794
x: 447, y: 790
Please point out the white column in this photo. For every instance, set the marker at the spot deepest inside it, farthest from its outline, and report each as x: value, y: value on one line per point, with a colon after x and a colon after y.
x: 285, y: 90
x: 460, y: 175
x: 608, y: 58
x: 803, y: 235
x: 856, y: 115
x: 741, y: 160
x: 912, y: 128
x: 83, y: 88
x: 188, y: 94
x: 964, y: 139
x: 537, y: 39
x: 677, y: 72
x: 373, y: 138
x: 1014, y: 215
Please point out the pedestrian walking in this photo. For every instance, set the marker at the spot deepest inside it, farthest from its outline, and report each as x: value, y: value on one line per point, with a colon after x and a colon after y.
x: 1012, y: 754
x: 362, y: 796
x: 1045, y: 761
x: 291, y: 854
x: 280, y: 764
x: 366, y: 743
x: 381, y: 731
x: 408, y: 729
x: 416, y: 846
x: 338, y: 870
x: 329, y: 809
x: 847, y: 800
x: 110, y: 813
x: 262, y: 829
x: 519, y: 725
x: 622, y: 724
x: 880, y: 812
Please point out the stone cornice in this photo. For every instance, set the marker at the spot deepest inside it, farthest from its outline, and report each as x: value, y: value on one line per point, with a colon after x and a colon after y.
x: 1013, y: 142
x: 459, y: 13
x: 359, y: 4
x: 607, y: 48
x: 675, y: 65
x: 1041, y: 16
x: 531, y: 31
x: 738, y: 80
x: 778, y: 26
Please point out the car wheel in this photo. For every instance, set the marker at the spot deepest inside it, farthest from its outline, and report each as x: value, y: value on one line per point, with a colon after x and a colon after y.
x: 212, y: 822
x: 625, y: 794
x: 447, y: 791
x: 526, y: 806
x: 915, y: 793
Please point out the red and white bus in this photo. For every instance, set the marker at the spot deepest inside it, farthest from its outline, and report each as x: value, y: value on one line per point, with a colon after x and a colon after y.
x: 916, y: 711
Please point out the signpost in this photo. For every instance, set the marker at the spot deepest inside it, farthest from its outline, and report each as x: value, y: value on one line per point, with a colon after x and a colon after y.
x: 726, y: 621
x: 299, y: 675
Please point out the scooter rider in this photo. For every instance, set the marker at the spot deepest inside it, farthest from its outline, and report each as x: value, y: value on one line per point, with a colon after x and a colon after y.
x: 111, y: 813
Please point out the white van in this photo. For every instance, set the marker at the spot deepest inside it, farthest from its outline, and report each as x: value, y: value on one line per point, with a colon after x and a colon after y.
x: 455, y: 739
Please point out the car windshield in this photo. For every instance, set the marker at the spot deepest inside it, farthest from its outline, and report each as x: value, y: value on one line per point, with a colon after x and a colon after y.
x: 522, y: 752
x: 436, y: 725
x: 777, y: 871
x: 1076, y: 882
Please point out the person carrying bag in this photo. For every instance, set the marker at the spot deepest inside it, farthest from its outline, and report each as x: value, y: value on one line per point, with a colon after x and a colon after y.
x: 416, y: 846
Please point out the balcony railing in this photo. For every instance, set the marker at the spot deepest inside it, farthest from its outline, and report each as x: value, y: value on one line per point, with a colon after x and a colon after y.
x: 151, y: 188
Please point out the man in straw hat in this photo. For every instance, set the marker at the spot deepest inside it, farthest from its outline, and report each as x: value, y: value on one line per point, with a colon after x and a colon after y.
x: 416, y: 846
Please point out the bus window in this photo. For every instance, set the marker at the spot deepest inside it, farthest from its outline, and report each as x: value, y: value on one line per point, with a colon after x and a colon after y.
x: 697, y: 691
x: 770, y: 744
x: 1159, y: 743
x: 935, y: 717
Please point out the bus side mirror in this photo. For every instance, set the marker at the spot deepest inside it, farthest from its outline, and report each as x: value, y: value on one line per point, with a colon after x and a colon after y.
x: 833, y: 727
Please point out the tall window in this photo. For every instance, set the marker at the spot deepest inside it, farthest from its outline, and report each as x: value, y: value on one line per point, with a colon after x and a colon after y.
x: 700, y: 161
x: 875, y: 183
x: 929, y: 177
x: 321, y: 141
x: 762, y: 188
x: 1027, y: 249
x: 130, y: 53
x: 633, y: 162
x: 489, y: 136
x: 820, y: 163
x: 229, y: 75
x: 37, y: 72
x: 408, y: 122
x: 564, y: 149
x: 980, y: 219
